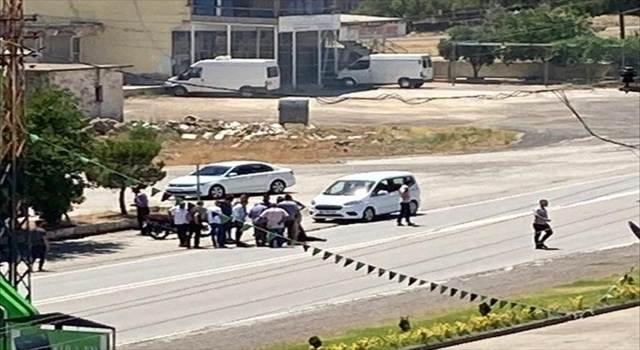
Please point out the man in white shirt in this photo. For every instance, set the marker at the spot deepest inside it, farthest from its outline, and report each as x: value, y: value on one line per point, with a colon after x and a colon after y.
x: 274, y: 219
x: 180, y: 215
x: 214, y: 218
x: 238, y: 217
x: 405, y: 203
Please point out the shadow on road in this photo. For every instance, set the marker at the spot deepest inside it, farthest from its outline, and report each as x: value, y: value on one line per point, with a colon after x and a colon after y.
x: 73, y: 249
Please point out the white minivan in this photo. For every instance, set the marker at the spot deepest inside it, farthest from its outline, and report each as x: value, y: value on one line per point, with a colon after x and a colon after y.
x: 225, y: 74
x: 364, y: 196
x: 406, y: 70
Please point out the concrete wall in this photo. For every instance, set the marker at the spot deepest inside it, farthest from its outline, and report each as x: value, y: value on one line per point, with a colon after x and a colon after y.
x: 82, y: 83
x: 523, y: 70
x: 135, y: 32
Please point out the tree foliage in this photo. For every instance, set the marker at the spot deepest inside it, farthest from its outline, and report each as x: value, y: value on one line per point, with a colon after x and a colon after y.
x: 131, y: 154
x: 584, y: 49
x: 477, y: 56
x: 52, y: 177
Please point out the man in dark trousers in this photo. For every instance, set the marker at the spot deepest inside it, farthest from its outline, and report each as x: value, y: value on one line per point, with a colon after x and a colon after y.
x: 405, y: 203
x: 294, y: 220
x: 39, y: 245
x: 259, y: 227
x: 141, y: 202
x: 197, y: 215
x: 541, y: 224
x: 180, y: 215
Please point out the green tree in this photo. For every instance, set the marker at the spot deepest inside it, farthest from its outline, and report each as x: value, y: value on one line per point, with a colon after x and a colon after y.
x: 131, y: 154
x: 52, y: 176
x: 477, y: 56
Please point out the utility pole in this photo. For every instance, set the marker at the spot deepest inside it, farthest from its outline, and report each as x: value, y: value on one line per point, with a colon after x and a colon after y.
x: 12, y: 143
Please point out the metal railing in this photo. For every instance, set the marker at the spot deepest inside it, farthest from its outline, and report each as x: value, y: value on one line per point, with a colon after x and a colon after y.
x: 255, y: 12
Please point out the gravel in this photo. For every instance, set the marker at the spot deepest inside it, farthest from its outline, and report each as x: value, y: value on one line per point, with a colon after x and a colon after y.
x: 521, y: 279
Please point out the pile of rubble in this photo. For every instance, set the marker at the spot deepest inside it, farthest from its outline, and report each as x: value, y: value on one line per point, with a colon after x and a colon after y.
x: 193, y: 128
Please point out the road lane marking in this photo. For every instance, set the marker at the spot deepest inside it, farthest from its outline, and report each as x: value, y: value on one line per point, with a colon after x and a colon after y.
x: 171, y: 255
x: 299, y: 256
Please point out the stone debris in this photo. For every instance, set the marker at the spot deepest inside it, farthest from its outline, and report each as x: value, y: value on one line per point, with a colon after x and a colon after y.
x: 193, y: 128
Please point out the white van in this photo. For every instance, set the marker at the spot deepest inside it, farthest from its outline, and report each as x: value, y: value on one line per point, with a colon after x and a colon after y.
x: 364, y: 196
x: 225, y: 74
x: 406, y: 70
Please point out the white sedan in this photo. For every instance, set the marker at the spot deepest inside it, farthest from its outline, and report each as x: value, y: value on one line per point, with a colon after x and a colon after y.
x: 231, y: 178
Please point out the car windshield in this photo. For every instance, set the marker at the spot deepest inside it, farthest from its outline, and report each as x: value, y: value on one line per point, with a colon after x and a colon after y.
x: 214, y: 170
x: 349, y: 188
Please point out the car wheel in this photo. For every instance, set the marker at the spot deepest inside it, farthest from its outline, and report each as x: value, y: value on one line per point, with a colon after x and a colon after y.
x: 416, y: 85
x: 348, y: 82
x: 404, y: 83
x: 277, y: 187
x: 216, y: 192
x: 368, y: 215
x: 179, y: 91
x: 246, y: 91
x: 413, y: 208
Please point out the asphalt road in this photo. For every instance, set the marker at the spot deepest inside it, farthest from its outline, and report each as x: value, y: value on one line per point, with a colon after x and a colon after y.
x: 155, y: 297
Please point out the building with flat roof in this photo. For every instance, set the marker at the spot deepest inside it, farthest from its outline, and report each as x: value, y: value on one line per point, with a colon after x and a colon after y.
x: 97, y: 88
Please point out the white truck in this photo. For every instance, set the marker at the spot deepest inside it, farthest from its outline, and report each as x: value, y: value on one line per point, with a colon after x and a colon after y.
x: 227, y: 75
x: 406, y: 70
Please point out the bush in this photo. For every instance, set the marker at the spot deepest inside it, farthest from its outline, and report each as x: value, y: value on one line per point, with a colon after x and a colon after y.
x: 620, y: 293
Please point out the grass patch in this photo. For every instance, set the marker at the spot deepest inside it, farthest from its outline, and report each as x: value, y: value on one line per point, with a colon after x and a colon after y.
x: 572, y: 297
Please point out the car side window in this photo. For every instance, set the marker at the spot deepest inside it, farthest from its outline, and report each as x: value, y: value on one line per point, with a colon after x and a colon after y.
x: 242, y: 170
x: 260, y: 168
x: 382, y: 186
x: 362, y: 64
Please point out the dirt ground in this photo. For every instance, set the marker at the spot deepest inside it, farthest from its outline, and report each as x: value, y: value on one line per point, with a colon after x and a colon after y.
x: 326, y: 144
x: 334, y: 320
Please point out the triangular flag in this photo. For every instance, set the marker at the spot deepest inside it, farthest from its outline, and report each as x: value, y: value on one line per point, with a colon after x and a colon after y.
x: 483, y: 298
x: 443, y: 289
x: 338, y: 258
x: 412, y: 280
x: 270, y: 236
x: 225, y: 219
x: 305, y: 247
x: 493, y: 301
x: 315, y: 251
x: 348, y: 262
x: 502, y: 304
x: 359, y: 265
x: 422, y: 282
x: 473, y: 297
x: 327, y: 255
x: 245, y: 227
x: 34, y: 138
x: 453, y: 291
x: 84, y: 160
x: 463, y: 294
x: 381, y: 272
x: 513, y: 305
x: 370, y: 269
x: 433, y: 286
x: 154, y: 191
x: 401, y: 278
x: 392, y: 275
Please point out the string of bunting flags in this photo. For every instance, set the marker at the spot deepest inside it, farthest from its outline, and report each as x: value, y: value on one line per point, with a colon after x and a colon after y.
x: 337, y: 258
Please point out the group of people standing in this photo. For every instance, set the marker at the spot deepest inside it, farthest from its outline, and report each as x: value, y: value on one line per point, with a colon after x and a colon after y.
x: 228, y: 220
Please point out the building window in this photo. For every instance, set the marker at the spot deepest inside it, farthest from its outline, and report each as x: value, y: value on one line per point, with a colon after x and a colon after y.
x: 99, y: 92
x: 75, y: 49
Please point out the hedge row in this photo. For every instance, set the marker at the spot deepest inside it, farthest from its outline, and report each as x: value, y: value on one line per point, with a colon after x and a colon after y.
x: 476, y: 324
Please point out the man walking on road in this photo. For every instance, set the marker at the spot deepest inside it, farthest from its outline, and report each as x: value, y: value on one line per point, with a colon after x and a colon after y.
x: 405, y: 204
x: 39, y: 245
x: 541, y: 224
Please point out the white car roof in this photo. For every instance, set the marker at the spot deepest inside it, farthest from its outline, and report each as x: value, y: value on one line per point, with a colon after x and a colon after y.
x: 235, y: 163
x: 375, y: 175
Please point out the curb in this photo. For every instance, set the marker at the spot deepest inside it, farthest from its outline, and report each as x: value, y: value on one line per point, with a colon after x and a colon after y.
x: 92, y: 230
x: 526, y: 327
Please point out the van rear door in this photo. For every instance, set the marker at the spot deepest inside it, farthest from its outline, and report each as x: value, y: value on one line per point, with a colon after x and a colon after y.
x: 427, y: 68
